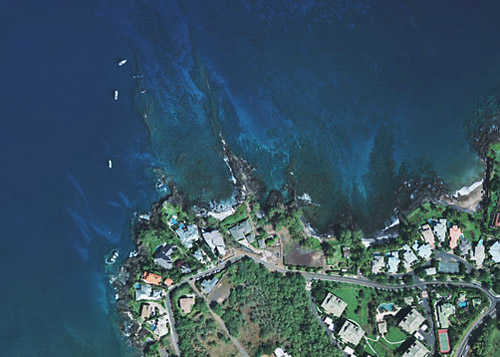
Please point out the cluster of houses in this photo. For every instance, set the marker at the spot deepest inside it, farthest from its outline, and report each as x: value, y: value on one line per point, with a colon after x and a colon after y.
x: 151, y: 288
x: 444, y: 309
x: 434, y: 234
x: 351, y: 333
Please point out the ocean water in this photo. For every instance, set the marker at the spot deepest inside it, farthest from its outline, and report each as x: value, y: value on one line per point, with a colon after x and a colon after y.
x: 303, y: 91
x: 338, y: 93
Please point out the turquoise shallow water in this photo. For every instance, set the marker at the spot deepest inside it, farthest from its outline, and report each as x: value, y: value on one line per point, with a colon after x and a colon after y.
x: 308, y: 88
x: 339, y: 93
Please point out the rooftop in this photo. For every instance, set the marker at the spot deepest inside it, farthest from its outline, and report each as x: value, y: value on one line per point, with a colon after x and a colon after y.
x: 147, y: 310
x: 378, y: 264
x: 280, y: 352
x: 444, y: 312
x: 208, y: 284
x: 417, y: 349
x: 151, y: 278
x: 242, y: 230
x: 412, y: 321
x: 351, y: 333
x: 431, y: 271
x: 440, y: 229
x: 479, y: 254
x: 333, y: 305
x: 163, y: 256
x: 449, y: 267
x: 408, y: 256
x: 495, y: 252
x: 455, y: 234
x: 188, y: 235
x: 424, y: 250
x: 427, y: 235
x: 393, y: 263
x: 215, y: 241
x: 186, y: 303
x: 465, y: 246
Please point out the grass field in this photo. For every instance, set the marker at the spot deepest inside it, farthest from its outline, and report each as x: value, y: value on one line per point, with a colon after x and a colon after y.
x: 425, y: 212
x: 350, y: 295
x: 394, y: 334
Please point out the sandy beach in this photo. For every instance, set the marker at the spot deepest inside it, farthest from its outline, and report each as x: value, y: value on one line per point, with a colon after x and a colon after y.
x: 468, y: 197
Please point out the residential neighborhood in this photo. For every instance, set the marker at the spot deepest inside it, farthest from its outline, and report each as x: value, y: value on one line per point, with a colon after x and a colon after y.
x: 404, y: 310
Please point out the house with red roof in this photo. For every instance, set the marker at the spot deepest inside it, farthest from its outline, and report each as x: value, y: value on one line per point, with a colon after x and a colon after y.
x: 150, y: 278
x: 455, y: 234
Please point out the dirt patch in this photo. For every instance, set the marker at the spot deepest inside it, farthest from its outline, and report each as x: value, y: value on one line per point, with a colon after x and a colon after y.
x: 250, y: 334
x: 221, y: 291
x: 297, y: 255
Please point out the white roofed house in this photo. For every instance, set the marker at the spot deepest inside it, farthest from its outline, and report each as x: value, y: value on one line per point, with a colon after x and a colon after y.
x: 188, y: 235
x: 393, y: 262
x: 351, y: 333
x: 409, y: 257
x: 378, y: 264
x: 423, y: 250
x: 479, y: 254
x: 440, y: 228
x: 412, y: 321
x: 495, y: 252
x: 215, y: 241
x: 333, y: 305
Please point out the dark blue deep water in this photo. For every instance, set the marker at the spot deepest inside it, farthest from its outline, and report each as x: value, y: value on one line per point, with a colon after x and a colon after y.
x: 340, y: 93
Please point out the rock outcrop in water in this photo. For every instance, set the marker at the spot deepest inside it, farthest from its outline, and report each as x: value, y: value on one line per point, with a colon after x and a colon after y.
x: 483, y: 128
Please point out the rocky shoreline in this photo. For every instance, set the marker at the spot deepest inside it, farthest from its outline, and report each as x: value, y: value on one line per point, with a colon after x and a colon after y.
x: 409, y: 195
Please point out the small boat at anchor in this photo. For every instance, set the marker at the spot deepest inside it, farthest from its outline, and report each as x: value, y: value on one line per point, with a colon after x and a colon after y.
x: 122, y: 62
x: 116, y: 95
x: 113, y: 256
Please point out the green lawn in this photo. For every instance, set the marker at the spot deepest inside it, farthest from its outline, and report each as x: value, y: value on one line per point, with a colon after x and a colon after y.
x: 424, y: 213
x: 394, y: 334
x: 381, y: 348
x: 350, y: 295
x: 336, y: 258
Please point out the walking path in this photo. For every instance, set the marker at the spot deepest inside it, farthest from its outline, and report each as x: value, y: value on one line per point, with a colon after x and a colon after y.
x: 355, y: 280
x: 219, y: 321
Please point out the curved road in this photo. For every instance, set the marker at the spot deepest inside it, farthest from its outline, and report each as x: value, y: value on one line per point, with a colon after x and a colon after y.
x: 343, y: 279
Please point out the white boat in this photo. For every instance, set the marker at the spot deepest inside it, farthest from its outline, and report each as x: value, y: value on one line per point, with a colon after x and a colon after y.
x: 110, y: 164
x: 122, y: 62
x: 116, y: 95
x: 111, y: 259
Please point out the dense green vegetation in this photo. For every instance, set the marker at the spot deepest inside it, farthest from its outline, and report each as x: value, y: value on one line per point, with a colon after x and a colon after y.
x: 463, y: 318
x: 359, y: 259
x: 486, y: 340
x: 275, y: 307
x: 238, y: 216
x: 199, y: 334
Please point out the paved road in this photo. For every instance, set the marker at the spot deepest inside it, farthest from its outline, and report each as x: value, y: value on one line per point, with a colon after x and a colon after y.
x: 463, y: 348
x: 349, y: 280
x: 173, y: 333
